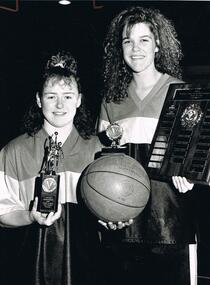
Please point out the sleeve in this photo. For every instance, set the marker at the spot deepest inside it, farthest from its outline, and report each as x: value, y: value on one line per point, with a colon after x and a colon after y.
x: 9, y: 184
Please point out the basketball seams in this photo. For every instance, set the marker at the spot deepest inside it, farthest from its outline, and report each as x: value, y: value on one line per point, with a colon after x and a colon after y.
x: 115, y: 188
x: 106, y: 171
x: 122, y: 165
x: 117, y: 203
x: 101, y: 194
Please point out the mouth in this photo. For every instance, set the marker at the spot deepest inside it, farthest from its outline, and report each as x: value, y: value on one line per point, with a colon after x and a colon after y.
x: 135, y: 57
x: 59, y: 113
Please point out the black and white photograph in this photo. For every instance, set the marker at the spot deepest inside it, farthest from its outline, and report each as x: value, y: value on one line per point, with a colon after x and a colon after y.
x: 104, y: 142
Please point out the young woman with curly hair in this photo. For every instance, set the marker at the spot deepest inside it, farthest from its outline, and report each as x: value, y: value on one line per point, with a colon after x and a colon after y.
x: 58, y: 248
x: 142, y: 58
x: 117, y: 73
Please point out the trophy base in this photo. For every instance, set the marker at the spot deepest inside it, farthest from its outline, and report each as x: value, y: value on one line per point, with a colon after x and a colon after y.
x: 136, y: 151
x: 48, y: 193
x: 113, y: 150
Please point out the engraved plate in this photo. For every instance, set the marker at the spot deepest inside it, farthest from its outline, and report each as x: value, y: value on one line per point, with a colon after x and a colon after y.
x: 48, y: 199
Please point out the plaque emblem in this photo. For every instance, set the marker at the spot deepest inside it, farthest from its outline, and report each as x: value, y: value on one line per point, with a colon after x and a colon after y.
x: 49, y: 184
x: 191, y: 115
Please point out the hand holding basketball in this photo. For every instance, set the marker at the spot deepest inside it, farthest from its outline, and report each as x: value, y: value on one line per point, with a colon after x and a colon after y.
x: 115, y: 226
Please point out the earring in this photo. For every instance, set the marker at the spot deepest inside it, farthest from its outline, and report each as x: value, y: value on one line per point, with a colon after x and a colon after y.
x: 156, y: 49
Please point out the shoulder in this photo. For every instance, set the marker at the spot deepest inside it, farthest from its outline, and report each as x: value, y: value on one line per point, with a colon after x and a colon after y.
x: 82, y: 153
x: 170, y: 79
x: 164, y: 84
x: 22, y: 144
x: 13, y: 151
x: 17, y: 143
x: 91, y: 147
x: 93, y: 143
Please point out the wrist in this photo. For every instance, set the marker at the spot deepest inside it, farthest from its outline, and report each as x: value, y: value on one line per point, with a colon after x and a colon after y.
x: 31, y: 217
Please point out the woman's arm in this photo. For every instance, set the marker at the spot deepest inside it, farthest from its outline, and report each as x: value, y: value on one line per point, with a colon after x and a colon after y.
x: 23, y: 217
x: 16, y: 219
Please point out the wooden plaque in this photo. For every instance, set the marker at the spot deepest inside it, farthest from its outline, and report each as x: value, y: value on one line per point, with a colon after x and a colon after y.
x: 181, y: 143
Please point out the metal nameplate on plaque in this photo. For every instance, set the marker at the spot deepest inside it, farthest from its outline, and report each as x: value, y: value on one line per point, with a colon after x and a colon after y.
x: 181, y: 143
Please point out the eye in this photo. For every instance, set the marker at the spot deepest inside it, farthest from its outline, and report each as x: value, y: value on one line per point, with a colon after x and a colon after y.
x: 50, y: 97
x: 144, y: 40
x: 68, y: 96
x: 126, y: 42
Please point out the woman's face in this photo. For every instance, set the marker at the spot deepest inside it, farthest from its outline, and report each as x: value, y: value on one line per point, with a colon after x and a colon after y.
x: 59, y: 101
x: 139, y: 48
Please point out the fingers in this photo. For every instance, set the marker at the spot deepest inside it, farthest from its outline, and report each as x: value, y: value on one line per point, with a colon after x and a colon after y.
x: 35, y: 204
x: 49, y: 220
x: 128, y: 223
x: 32, y: 213
x: 182, y: 184
x: 44, y: 218
x: 108, y: 226
x: 52, y: 217
x: 104, y: 224
x: 120, y: 225
x: 112, y: 226
x: 115, y: 226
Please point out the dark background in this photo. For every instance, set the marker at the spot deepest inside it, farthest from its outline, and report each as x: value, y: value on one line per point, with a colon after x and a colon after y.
x: 38, y: 28
x: 41, y: 27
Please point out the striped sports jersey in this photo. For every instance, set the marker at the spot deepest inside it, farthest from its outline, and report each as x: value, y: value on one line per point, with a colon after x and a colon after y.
x: 21, y: 162
x: 138, y: 118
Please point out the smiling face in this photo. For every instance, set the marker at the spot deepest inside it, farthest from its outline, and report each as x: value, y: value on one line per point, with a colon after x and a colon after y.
x: 139, y: 48
x: 59, y: 101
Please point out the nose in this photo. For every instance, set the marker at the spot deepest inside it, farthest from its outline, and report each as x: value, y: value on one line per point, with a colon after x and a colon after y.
x: 136, y: 46
x: 59, y: 103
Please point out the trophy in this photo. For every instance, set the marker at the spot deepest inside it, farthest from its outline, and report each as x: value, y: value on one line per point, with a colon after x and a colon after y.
x: 114, y: 133
x: 49, y: 180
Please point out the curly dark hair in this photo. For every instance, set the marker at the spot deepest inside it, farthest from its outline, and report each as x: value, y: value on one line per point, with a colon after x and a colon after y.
x: 117, y: 74
x: 60, y: 66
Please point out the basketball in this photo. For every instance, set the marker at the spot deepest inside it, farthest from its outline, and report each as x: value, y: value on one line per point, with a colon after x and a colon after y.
x: 115, y: 188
